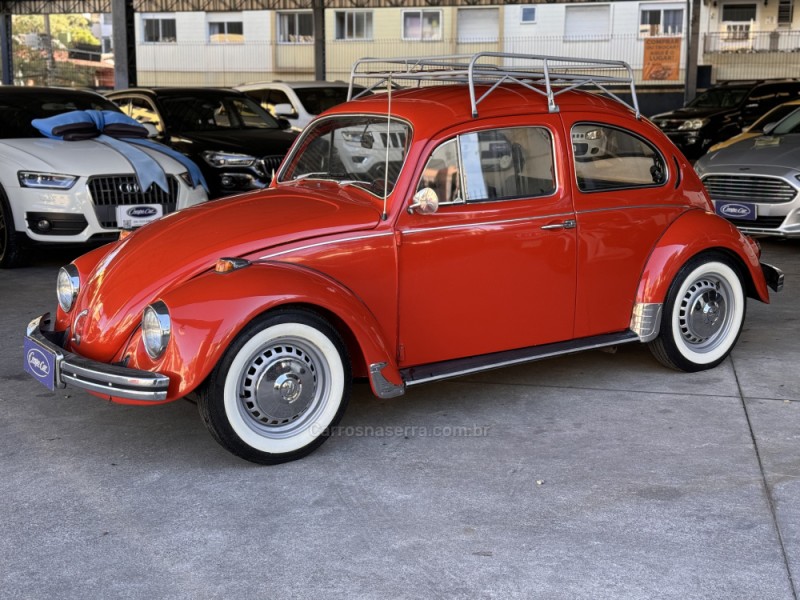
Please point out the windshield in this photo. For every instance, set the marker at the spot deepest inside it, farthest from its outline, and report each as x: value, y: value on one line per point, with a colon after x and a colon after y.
x: 773, y: 116
x: 353, y: 150
x: 221, y: 113
x: 18, y: 110
x: 789, y: 124
x: 719, y: 98
x: 319, y: 99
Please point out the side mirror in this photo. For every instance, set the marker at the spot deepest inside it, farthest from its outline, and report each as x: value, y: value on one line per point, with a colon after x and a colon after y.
x: 769, y: 128
x: 284, y: 109
x: 426, y: 202
x: 152, y: 131
x: 283, y: 123
x: 367, y: 140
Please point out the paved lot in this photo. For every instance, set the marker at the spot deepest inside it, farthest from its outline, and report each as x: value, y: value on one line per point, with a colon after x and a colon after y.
x: 594, y: 476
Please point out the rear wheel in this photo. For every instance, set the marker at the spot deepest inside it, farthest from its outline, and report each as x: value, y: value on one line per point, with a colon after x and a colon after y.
x: 11, y: 242
x: 703, y: 315
x: 278, y: 389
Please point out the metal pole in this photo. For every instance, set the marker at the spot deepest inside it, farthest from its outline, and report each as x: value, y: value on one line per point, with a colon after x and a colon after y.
x: 124, y: 39
x: 692, y: 48
x: 319, y: 39
x: 6, y: 48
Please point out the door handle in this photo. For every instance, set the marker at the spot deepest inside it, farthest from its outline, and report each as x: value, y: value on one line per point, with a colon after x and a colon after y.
x: 568, y: 224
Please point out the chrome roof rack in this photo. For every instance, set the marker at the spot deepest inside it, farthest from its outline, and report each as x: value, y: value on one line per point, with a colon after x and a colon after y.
x: 553, y: 73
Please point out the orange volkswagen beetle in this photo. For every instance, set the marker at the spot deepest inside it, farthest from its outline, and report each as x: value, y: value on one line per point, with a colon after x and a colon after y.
x: 411, y: 236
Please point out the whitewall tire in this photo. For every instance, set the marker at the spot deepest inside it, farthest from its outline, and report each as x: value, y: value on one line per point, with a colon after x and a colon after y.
x: 279, y: 388
x: 703, y: 315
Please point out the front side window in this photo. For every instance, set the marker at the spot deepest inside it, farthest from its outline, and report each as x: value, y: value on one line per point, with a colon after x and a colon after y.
x: 226, y: 32
x: 353, y: 25
x: 295, y: 28
x: 497, y: 164
x: 607, y: 158
x: 364, y: 151
x: 422, y: 25
x: 660, y: 21
x: 159, y: 30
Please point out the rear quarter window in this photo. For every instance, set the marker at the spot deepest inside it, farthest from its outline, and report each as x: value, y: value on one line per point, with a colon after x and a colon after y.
x: 610, y: 158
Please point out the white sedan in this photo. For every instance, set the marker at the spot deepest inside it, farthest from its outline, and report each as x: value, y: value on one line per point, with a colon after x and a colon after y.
x: 57, y: 191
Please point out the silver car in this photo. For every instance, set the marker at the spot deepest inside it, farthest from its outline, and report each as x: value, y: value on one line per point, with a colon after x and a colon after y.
x: 755, y: 183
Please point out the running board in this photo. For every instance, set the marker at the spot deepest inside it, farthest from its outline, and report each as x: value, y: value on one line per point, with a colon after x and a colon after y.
x: 475, y: 364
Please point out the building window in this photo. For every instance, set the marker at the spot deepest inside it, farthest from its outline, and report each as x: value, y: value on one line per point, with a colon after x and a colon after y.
x: 785, y: 13
x: 737, y: 19
x: 661, y: 21
x: 422, y: 25
x: 159, y: 30
x: 590, y: 23
x: 225, y: 31
x: 295, y: 28
x: 528, y: 14
x: 353, y: 25
x: 478, y: 25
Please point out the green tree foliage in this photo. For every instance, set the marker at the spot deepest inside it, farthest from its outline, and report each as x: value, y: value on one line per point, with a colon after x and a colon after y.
x: 76, y: 28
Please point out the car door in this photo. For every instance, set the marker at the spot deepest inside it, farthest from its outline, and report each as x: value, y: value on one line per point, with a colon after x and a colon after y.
x: 626, y: 194
x: 494, y: 268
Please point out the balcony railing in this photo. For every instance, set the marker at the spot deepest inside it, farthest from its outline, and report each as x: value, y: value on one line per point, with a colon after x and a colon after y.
x: 742, y: 39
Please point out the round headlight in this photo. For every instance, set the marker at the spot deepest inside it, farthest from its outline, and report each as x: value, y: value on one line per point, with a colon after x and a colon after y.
x: 68, y: 285
x: 155, y: 329
x: 692, y: 124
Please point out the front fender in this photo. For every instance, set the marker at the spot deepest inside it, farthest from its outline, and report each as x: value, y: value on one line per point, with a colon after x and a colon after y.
x: 694, y: 232
x: 209, y: 311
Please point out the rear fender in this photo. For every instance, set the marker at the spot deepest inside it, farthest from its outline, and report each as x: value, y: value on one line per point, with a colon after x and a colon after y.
x: 694, y: 232
x: 209, y: 311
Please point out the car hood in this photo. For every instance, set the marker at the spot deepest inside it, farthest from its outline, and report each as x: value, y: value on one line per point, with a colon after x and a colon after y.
x: 168, y: 252
x: 83, y: 158
x: 773, y: 151
x: 258, y: 142
x: 686, y: 113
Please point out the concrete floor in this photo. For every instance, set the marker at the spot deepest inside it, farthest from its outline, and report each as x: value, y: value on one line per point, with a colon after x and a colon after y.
x: 593, y: 476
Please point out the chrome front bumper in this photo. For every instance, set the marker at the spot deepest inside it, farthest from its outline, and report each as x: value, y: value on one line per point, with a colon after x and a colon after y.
x: 109, y: 380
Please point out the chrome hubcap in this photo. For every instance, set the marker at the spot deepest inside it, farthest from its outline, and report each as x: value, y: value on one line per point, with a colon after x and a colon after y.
x: 704, y: 313
x: 281, y: 388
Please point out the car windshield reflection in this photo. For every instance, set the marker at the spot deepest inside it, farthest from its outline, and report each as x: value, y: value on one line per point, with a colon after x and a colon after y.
x: 192, y: 113
x: 367, y: 151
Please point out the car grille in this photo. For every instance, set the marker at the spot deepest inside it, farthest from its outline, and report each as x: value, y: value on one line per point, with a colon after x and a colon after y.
x: 110, y: 192
x: 749, y: 188
x: 760, y: 222
x: 271, y: 163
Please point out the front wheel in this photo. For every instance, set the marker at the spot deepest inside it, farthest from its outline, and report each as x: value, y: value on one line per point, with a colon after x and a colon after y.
x: 279, y: 388
x: 703, y: 315
x: 11, y: 242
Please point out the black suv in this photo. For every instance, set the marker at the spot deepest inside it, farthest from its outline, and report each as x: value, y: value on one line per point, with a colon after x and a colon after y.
x: 235, y: 142
x: 721, y: 112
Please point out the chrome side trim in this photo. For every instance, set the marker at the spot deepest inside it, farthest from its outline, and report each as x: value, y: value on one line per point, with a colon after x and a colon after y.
x: 476, y: 364
x: 485, y: 223
x: 325, y: 243
x: 383, y: 387
x: 646, y: 320
x: 94, y: 376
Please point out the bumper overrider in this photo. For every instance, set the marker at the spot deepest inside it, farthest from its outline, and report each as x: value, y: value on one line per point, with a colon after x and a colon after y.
x: 53, y: 366
x: 773, y: 277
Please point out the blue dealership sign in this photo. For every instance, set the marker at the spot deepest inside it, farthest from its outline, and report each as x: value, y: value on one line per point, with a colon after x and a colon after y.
x: 741, y: 211
x: 41, y: 363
